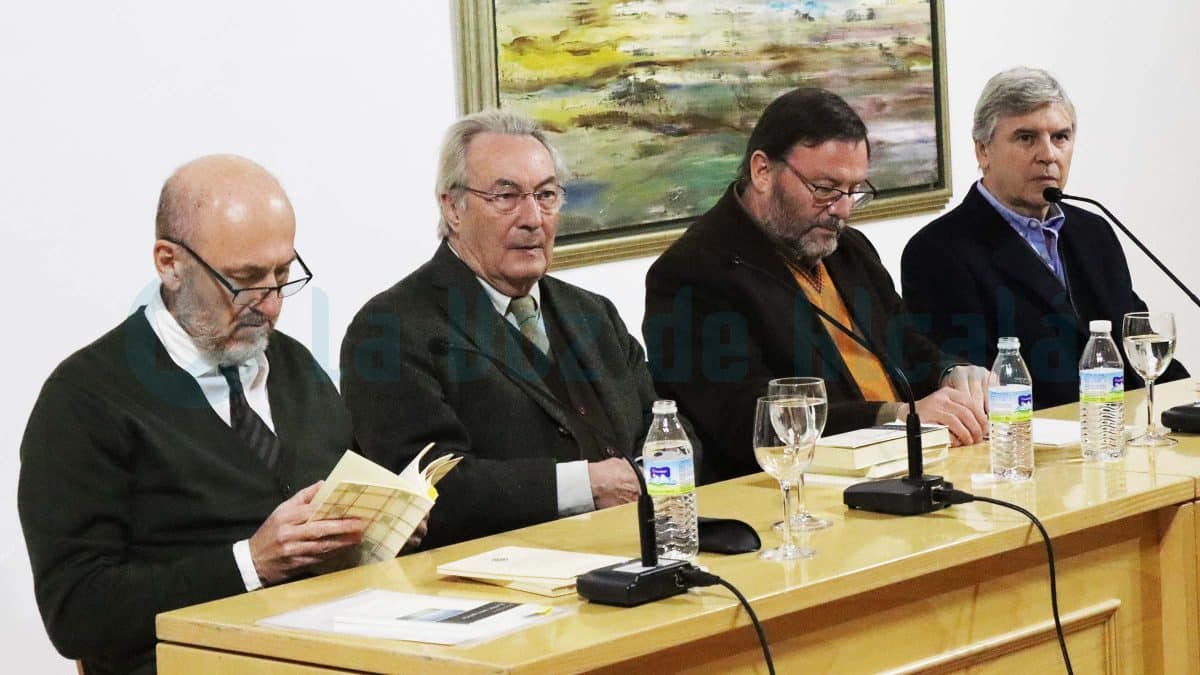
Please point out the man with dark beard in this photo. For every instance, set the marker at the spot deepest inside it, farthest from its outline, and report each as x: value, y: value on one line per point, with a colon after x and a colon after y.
x: 729, y: 306
x: 166, y: 463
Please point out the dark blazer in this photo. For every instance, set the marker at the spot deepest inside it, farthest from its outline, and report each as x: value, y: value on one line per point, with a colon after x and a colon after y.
x: 430, y: 359
x: 724, y: 315
x: 969, y: 278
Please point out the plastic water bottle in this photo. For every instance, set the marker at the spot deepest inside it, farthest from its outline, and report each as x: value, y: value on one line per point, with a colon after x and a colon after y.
x: 1101, y: 396
x: 670, y: 479
x: 1010, y: 414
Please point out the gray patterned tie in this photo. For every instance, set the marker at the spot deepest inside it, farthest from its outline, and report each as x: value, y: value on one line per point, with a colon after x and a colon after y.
x: 524, y: 309
x: 249, y: 427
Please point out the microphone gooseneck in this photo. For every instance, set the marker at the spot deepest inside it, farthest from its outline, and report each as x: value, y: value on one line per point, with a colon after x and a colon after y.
x: 1056, y: 195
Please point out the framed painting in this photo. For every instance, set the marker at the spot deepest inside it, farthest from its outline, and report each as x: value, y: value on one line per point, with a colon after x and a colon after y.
x: 651, y: 101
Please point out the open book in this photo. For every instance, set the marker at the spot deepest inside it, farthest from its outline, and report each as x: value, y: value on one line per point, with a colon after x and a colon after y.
x: 393, y: 504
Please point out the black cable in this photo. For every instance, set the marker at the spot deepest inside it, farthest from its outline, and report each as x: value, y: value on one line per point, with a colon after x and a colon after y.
x: 960, y: 497
x: 698, y: 577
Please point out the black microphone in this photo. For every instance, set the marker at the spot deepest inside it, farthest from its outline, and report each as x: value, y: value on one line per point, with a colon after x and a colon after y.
x: 1184, y: 418
x: 908, y: 496
x: 625, y: 584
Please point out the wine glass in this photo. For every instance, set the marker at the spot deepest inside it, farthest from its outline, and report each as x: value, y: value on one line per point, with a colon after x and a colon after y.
x: 812, y: 389
x: 785, y: 432
x: 1149, y: 339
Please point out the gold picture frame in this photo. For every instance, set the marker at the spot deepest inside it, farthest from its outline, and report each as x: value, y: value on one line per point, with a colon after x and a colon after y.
x: 479, y: 74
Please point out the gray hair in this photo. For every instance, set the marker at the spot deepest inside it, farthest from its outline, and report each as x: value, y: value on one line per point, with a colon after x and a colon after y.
x: 452, y: 160
x: 1016, y: 91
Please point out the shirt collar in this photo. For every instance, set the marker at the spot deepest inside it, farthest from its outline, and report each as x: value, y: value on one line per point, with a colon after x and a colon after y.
x: 499, y: 300
x: 183, y: 350
x: 1054, y: 215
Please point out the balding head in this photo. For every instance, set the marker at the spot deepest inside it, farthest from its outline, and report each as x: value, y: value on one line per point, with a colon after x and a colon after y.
x: 224, y: 222
x: 206, y: 186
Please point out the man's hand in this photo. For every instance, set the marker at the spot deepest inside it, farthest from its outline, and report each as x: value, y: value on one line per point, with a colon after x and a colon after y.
x: 285, y: 543
x: 972, y: 381
x: 613, y: 482
x: 414, y: 539
x: 956, y: 410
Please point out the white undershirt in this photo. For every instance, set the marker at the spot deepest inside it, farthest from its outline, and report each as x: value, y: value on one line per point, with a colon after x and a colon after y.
x: 573, y: 484
x: 184, y: 352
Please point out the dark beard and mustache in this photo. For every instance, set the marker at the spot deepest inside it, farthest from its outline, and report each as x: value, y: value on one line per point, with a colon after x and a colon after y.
x: 798, y: 236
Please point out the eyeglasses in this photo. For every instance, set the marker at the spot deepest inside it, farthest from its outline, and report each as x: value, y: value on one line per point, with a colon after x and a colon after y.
x: 825, y: 195
x: 548, y: 199
x: 254, y: 294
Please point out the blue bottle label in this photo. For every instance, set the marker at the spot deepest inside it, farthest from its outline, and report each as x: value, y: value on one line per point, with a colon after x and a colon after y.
x: 668, y: 477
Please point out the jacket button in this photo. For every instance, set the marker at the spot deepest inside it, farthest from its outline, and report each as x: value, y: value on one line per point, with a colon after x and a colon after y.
x: 581, y: 410
x: 562, y: 431
x: 610, y: 451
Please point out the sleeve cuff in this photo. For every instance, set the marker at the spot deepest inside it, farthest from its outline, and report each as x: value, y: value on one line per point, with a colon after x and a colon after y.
x: 888, y: 412
x: 245, y: 563
x: 574, y: 488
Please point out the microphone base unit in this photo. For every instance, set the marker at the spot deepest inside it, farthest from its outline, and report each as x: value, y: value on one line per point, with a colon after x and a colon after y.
x: 1185, y: 418
x: 897, y: 496
x: 630, y: 584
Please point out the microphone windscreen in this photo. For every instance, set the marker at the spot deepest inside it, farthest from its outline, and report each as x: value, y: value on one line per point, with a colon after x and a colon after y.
x: 1052, y: 194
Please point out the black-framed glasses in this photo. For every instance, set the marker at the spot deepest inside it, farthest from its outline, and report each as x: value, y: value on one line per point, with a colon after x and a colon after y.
x: 254, y: 294
x: 548, y: 199
x: 826, y: 195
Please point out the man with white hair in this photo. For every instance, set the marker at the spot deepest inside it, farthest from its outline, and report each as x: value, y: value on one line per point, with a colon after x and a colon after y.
x: 535, y: 382
x: 1006, y: 262
x: 173, y: 460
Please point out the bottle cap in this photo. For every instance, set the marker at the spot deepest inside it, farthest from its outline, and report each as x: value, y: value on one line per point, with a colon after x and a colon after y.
x: 1008, y: 343
x: 664, y: 407
x: 1100, y: 326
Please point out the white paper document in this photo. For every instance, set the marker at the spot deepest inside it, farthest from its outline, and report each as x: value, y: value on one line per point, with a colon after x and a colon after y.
x: 1055, y: 433
x: 417, y: 618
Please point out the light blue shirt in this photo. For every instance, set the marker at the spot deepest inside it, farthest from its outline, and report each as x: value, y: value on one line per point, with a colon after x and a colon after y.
x: 1041, y: 235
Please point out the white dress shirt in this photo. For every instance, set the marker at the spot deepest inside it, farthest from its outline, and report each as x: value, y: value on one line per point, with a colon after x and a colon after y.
x: 573, y: 484
x: 186, y: 355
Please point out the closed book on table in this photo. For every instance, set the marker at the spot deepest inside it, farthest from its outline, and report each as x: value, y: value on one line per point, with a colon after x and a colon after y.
x: 854, y: 452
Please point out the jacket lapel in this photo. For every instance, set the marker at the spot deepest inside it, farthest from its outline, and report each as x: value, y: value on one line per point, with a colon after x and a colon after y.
x: 1014, y: 259
x: 476, y: 327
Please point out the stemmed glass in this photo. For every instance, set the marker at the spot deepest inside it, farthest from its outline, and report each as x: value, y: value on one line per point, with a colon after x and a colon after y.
x: 785, y: 433
x: 813, y: 390
x: 1149, y: 339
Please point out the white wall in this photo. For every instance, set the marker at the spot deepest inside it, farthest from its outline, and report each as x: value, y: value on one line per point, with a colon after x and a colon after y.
x: 346, y: 101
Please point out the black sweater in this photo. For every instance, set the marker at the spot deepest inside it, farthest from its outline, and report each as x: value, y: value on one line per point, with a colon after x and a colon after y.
x: 132, y: 490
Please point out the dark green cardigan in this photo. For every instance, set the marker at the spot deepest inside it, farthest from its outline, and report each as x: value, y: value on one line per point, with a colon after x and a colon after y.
x: 132, y: 490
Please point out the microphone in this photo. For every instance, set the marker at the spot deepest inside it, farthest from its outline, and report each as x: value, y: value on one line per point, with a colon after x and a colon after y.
x: 913, y: 494
x: 1184, y: 418
x: 625, y: 584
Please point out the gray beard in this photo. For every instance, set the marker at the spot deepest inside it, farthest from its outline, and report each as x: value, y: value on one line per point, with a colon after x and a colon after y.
x: 215, y: 347
x: 790, y: 232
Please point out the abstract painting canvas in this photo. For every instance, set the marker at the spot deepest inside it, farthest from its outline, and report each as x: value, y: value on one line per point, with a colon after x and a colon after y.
x: 651, y: 101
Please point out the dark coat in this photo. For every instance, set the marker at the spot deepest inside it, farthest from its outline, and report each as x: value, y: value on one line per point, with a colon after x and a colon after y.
x: 430, y: 359
x: 970, y: 279
x: 724, y: 315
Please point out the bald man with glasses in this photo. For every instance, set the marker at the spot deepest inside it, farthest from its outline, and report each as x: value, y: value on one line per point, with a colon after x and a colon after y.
x: 535, y: 382
x: 173, y: 460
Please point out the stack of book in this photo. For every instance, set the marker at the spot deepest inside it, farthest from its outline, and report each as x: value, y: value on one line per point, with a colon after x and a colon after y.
x: 876, y: 452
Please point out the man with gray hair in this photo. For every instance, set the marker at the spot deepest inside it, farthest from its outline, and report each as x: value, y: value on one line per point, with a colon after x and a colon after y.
x: 535, y: 382
x: 1006, y: 262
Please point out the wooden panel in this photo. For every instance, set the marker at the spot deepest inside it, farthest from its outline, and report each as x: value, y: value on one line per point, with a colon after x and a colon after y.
x: 181, y: 659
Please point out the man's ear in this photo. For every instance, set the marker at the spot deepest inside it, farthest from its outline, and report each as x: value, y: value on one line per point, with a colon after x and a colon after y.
x: 450, y: 211
x: 166, y: 263
x: 981, y: 156
x: 760, y: 171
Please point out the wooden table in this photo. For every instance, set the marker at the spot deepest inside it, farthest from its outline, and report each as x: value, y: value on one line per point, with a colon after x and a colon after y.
x: 963, y: 589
